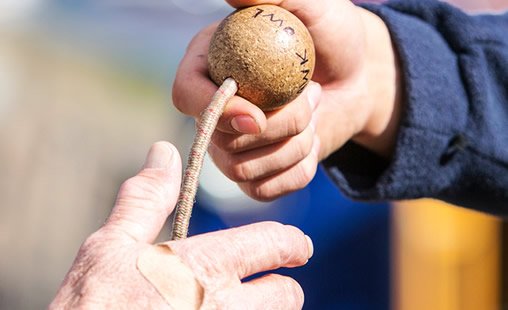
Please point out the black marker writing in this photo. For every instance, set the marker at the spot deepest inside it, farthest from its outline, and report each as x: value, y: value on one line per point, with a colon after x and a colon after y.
x: 304, y: 60
x: 271, y: 16
x: 258, y: 11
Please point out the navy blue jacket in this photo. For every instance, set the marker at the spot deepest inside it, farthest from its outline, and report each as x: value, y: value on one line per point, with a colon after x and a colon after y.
x: 453, y: 139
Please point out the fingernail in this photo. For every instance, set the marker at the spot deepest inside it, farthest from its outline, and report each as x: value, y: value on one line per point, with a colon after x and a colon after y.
x: 159, y: 156
x: 313, y: 95
x: 245, y: 124
x: 310, y: 246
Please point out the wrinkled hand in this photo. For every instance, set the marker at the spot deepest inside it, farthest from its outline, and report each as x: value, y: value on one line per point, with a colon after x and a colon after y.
x: 118, y: 267
x: 354, y: 96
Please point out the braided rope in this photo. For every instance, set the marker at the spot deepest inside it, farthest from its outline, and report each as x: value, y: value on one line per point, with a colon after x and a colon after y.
x: 209, y: 118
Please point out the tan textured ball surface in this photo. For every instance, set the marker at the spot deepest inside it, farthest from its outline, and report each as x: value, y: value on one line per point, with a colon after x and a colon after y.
x: 267, y: 50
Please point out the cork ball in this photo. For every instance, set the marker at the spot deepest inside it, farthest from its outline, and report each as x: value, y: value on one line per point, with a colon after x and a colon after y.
x: 267, y: 50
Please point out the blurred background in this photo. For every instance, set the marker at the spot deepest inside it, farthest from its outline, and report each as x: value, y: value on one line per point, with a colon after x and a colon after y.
x: 85, y: 89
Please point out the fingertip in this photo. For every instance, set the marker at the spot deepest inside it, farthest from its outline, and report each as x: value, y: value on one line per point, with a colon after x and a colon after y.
x: 304, y: 243
x: 245, y: 124
x: 310, y: 246
x: 242, y: 117
x: 162, y: 155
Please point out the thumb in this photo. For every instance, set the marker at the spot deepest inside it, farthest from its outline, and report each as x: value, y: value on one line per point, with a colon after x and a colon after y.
x: 145, y: 201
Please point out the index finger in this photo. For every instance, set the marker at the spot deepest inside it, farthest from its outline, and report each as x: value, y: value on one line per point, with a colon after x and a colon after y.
x: 246, y: 250
x: 193, y: 89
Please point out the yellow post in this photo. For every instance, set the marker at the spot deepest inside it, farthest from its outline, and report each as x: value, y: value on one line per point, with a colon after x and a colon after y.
x: 445, y: 257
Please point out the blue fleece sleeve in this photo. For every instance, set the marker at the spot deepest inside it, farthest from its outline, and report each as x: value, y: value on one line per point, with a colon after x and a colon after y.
x: 453, y: 139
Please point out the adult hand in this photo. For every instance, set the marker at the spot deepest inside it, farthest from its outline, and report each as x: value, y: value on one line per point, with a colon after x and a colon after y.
x: 118, y: 267
x: 354, y: 95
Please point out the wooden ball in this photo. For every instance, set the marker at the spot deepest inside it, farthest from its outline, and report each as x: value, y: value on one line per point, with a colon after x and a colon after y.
x: 267, y: 50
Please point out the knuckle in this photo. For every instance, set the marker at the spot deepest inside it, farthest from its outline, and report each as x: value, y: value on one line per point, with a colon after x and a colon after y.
x: 307, y: 172
x: 239, y: 172
x: 142, y: 187
x: 131, y: 187
x: 304, y: 145
x: 282, y: 239
x: 209, y: 267
x: 233, y: 145
x: 263, y: 192
x: 231, y: 165
x: 287, y: 245
x: 298, y: 122
x: 302, y: 182
x: 92, y: 244
x: 248, y: 189
x: 295, y: 246
x: 267, y: 192
x: 301, y: 151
